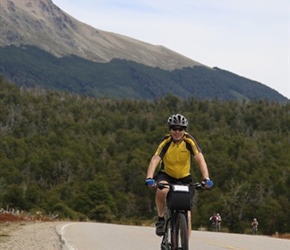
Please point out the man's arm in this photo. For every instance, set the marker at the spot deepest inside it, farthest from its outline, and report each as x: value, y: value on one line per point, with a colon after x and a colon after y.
x: 152, y: 166
x: 199, y: 158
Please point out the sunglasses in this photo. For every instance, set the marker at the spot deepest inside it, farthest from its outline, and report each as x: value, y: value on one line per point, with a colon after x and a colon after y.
x: 177, y: 128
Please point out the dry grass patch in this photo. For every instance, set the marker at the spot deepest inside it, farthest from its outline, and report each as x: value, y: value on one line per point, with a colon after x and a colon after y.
x: 9, y: 223
x: 282, y: 236
x: 6, y: 229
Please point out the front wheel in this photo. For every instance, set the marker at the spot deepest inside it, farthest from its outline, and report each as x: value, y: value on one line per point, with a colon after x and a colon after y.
x: 181, y: 233
x: 167, y: 238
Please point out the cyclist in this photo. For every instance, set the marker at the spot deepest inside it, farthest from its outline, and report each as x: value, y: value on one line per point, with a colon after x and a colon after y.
x: 214, y: 221
x: 174, y: 154
x: 219, y: 222
x: 254, y: 225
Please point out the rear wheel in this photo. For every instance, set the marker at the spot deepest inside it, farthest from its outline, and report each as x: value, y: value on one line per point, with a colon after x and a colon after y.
x: 181, y: 233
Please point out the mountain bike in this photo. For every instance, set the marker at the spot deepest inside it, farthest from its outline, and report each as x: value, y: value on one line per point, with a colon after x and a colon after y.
x: 254, y: 229
x: 214, y: 226
x: 179, y: 202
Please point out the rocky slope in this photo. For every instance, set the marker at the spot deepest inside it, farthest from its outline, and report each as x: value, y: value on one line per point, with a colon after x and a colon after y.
x: 41, y: 23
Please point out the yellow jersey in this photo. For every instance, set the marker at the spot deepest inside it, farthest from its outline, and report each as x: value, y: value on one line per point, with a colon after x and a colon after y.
x: 176, y: 157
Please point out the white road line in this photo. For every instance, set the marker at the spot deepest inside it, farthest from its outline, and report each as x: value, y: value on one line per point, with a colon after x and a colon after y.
x: 66, y: 245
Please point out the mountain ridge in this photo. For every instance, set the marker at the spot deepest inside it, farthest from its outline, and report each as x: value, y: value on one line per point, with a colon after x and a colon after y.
x: 70, y: 36
x: 42, y: 45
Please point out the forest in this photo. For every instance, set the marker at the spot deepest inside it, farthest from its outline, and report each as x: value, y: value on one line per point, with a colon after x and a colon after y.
x: 30, y: 66
x: 86, y: 158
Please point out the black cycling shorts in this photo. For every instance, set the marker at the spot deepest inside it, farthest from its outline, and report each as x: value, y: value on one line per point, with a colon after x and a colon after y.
x: 162, y: 176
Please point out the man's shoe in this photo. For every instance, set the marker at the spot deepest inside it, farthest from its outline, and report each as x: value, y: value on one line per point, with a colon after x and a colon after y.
x: 160, y: 227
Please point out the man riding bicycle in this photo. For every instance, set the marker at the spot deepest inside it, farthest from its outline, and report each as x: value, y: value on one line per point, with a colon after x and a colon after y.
x: 174, y: 152
x: 254, y: 225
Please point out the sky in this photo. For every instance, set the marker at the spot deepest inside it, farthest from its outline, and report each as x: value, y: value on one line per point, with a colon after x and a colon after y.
x: 249, y: 38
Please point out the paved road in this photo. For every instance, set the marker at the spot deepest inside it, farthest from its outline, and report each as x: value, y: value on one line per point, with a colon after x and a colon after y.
x: 99, y: 236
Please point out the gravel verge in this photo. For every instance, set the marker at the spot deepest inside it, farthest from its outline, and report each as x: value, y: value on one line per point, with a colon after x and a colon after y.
x: 30, y: 235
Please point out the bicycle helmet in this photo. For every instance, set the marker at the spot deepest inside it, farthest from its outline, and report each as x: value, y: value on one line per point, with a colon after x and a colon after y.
x: 177, y: 120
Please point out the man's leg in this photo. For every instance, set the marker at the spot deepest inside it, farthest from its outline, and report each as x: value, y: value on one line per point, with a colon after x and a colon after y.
x: 189, y: 223
x: 160, y: 201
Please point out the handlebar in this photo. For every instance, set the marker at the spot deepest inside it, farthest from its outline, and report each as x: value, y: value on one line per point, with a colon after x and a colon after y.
x: 205, y: 184
x: 197, y: 185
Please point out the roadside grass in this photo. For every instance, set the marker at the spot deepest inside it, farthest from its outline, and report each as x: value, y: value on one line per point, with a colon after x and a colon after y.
x: 282, y: 236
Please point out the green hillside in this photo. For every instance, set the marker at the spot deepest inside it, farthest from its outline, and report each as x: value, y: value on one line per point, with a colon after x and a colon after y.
x: 83, y: 157
x: 30, y: 66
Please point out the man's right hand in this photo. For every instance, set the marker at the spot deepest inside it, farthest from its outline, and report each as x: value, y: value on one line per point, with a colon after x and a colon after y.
x: 150, y: 182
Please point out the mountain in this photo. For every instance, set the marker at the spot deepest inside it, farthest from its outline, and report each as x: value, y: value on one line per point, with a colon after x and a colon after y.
x: 43, y: 46
x: 42, y: 24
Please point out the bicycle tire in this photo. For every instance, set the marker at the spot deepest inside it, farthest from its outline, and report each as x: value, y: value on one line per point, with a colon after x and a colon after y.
x: 166, y: 241
x: 181, y: 232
